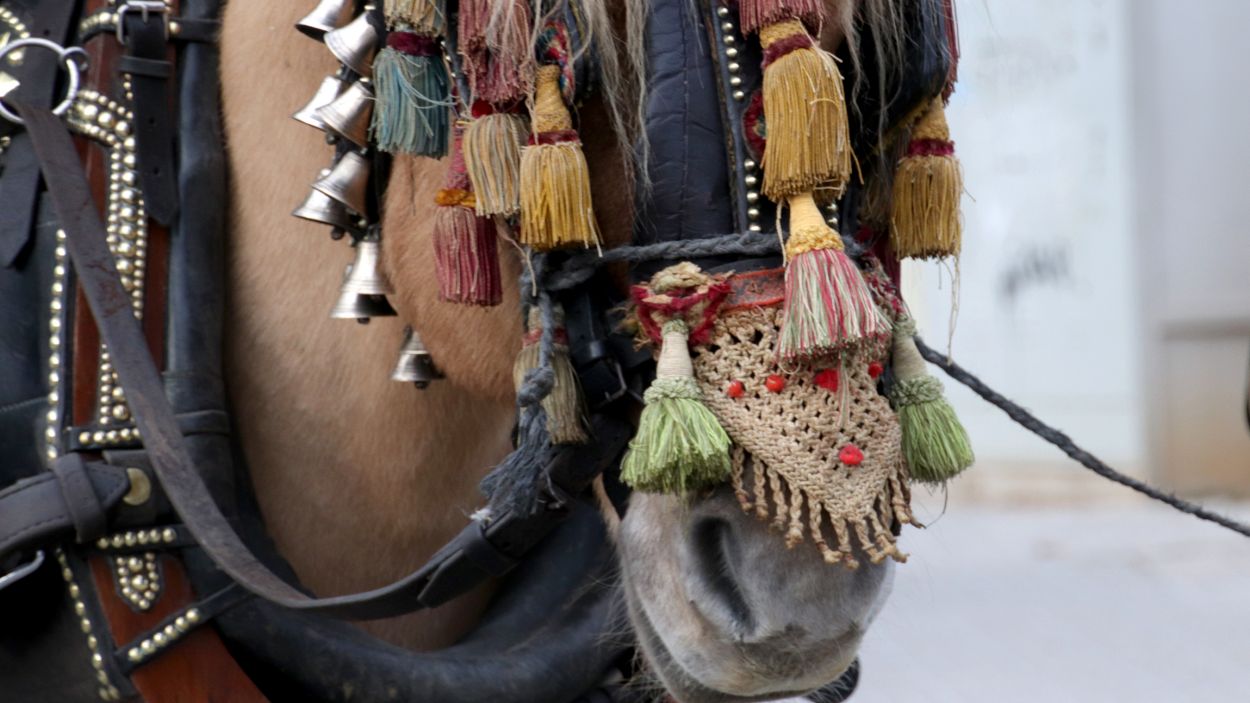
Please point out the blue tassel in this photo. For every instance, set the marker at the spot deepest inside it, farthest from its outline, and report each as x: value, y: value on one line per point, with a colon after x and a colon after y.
x: 413, y: 111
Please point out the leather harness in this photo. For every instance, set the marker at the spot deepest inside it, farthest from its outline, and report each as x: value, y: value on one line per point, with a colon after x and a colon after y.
x: 72, y: 500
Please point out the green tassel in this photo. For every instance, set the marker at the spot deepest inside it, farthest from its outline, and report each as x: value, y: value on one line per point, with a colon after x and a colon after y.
x: 680, y: 445
x: 413, y: 111
x: 935, y: 444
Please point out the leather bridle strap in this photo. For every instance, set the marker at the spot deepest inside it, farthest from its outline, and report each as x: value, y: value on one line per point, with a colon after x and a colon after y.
x: 485, y: 548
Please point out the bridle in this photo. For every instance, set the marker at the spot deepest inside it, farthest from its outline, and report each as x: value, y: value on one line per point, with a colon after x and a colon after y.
x: 125, y: 521
x: 88, y: 511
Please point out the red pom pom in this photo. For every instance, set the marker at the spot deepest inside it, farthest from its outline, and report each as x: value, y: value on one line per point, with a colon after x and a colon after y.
x: 875, y: 369
x: 828, y: 379
x: 775, y: 383
x: 735, y: 389
x: 850, y: 455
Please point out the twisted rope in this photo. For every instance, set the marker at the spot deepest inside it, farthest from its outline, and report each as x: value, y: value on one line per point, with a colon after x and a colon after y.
x: 1026, y: 420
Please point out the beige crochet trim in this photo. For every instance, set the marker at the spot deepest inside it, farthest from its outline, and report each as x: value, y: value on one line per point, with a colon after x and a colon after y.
x: 787, y: 444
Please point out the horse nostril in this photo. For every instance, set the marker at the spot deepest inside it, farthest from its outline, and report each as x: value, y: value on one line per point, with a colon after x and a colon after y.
x: 717, y: 560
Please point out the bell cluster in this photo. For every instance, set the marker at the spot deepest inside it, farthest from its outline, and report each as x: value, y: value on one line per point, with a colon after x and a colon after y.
x: 342, y: 109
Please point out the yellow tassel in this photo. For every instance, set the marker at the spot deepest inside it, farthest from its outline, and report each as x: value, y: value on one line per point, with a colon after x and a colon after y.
x: 564, y: 406
x: 556, y: 208
x: 928, y: 184
x: 492, y: 158
x: 808, y: 142
x: 420, y: 16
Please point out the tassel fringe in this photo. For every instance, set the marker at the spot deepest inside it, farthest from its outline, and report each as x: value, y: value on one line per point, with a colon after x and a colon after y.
x: 422, y: 16
x: 828, y: 307
x: 466, y: 257
x: 564, y: 407
x: 790, y: 504
x: 556, y: 208
x: 680, y: 445
x: 928, y: 185
x: 935, y: 444
x: 492, y: 156
x: 808, y: 141
x: 754, y: 14
x: 413, y: 111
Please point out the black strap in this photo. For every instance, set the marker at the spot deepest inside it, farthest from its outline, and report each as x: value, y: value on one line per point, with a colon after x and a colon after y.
x: 455, y: 569
x: 19, y: 181
x: 182, y: 29
x: 205, y: 610
x: 70, y: 500
x: 150, y: 72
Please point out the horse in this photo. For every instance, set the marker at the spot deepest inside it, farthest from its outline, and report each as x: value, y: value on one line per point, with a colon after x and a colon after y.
x: 361, y: 479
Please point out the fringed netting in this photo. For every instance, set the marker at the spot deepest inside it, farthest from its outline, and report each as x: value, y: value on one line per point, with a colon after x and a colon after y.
x: 797, y: 513
x: 787, y: 466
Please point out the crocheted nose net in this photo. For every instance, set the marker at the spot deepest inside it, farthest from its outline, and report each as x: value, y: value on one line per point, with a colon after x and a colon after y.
x: 821, y: 454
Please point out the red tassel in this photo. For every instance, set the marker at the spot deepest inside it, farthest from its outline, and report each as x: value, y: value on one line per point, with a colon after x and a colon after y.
x: 466, y: 257
x: 498, y: 57
x: 754, y: 14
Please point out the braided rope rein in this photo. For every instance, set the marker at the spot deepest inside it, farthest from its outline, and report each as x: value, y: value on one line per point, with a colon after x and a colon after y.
x: 540, y: 281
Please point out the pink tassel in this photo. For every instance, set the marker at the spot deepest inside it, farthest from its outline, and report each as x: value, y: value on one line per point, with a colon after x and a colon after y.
x: 498, y: 56
x: 465, y: 251
x: 466, y: 257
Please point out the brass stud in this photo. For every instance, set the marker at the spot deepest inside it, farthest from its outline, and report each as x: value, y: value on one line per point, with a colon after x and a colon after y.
x: 753, y: 213
x: 168, y: 534
x: 754, y: 228
x: 739, y: 95
x: 147, y: 647
x: 731, y: 52
x: 751, y: 180
x: 722, y: 11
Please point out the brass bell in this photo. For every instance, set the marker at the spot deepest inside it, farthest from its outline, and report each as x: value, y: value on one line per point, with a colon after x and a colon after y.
x: 327, y: 16
x: 415, y: 364
x: 319, y: 207
x: 329, y: 90
x: 354, y: 44
x: 348, y: 114
x: 347, y: 182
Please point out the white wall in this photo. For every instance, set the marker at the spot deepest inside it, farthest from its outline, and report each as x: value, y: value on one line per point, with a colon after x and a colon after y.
x: 1048, y: 310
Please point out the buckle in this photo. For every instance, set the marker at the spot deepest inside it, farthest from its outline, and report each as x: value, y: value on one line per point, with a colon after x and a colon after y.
x: 22, y: 571
x: 145, y: 8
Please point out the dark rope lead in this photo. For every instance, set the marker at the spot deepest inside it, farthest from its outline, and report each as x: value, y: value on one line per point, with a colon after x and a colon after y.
x: 1026, y: 419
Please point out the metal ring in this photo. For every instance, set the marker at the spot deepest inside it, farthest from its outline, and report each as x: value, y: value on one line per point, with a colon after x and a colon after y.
x: 64, y: 56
